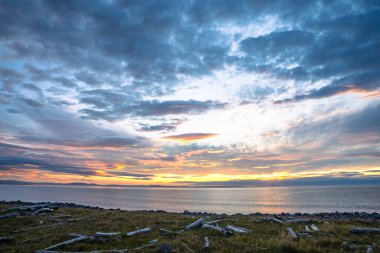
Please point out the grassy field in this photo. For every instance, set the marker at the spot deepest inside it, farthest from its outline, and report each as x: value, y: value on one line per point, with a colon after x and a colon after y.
x: 264, y: 236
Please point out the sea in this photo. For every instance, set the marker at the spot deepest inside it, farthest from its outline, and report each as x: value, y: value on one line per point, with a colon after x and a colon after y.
x: 298, y: 199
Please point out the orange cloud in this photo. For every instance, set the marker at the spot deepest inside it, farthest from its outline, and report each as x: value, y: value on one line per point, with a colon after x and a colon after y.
x: 366, y: 94
x: 372, y: 95
x: 189, y: 137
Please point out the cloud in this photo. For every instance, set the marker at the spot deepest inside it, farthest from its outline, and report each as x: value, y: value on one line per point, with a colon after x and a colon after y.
x: 283, y: 44
x: 347, y: 138
x: 345, y: 53
x: 157, y: 51
x: 9, y: 78
x: 251, y: 93
x: 189, y: 137
x: 149, y: 46
x: 121, y: 107
x: 8, y: 163
x: 359, y: 122
x: 30, y: 102
x: 51, y: 125
x: 139, y: 176
x: 94, y: 142
x: 364, y: 121
x: 88, y: 84
x: 163, y: 127
x: 66, y: 82
x: 11, y: 110
x: 159, y: 108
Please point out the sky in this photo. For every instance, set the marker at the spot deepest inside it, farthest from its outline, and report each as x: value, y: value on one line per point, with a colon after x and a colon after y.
x: 190, y: 93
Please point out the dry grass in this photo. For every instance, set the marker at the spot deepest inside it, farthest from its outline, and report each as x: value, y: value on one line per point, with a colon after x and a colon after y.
x: 265, y: 236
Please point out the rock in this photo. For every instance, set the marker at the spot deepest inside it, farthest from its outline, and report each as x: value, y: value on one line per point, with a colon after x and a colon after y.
x: 164, y: 248
x: 6, y: 239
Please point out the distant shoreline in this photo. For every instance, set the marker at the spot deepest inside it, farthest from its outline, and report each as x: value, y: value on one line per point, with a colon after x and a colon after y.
x: 326, y: 215
x: 269, y: 183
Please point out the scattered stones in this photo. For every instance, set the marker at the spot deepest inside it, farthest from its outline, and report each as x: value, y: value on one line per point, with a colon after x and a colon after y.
x: 164, y: 248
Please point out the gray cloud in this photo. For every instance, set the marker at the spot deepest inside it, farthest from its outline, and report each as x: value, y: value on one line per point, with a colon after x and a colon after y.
x: 32, y: 87
x: 7, y: 163
x: 158, y: 108
x: 344, y: 50
x: 149, y: 46
x: 284, y: 45
x: 9, y: 78
x: 163, y: 127
x: 349, y: 138
x: 139, y: 176
x: 94, y: 142
x: 117, y: 106
x: 54, y: 126
x: 365, y: 121
x: 154, y: 48
x: 11, y: 110
x: 30, y: 102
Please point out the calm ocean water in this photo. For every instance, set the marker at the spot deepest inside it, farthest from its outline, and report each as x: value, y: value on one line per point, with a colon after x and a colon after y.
x: 310, y: 199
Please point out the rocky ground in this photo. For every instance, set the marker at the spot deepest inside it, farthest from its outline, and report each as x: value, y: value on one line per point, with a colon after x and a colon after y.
x: 36, y: 227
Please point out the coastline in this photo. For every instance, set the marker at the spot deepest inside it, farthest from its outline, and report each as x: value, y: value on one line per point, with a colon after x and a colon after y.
x: 38, y: 226
x: 321, y: 215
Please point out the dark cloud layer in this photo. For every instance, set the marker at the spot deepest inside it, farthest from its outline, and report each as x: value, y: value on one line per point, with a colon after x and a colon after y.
x: 24, y: 158
x: 95, y: 40
x: 114, y: 106
x: 130, y: 38
x: 163, y: 127
x: 24, y: 162
x: 365, y: 121
x: 344, y: 50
